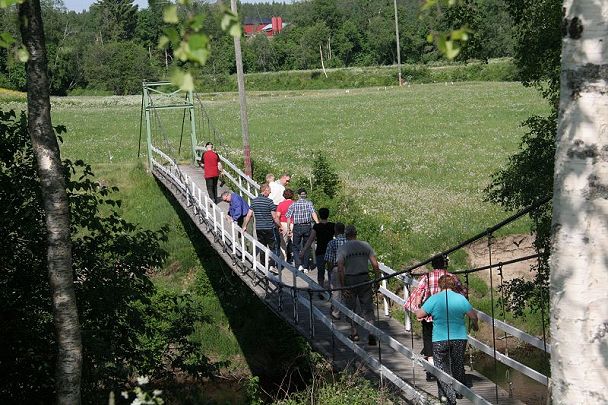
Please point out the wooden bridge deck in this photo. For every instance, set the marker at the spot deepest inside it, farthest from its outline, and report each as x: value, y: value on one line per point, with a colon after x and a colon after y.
x: 281, y: 302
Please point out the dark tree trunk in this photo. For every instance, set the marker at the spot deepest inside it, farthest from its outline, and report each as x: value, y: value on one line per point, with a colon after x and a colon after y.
x: 50, y: 171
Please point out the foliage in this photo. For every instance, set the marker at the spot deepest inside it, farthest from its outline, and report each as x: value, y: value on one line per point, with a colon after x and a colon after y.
x: 119, y: 67
x: 324, y: 177
x: 119, y: 307
x: 346, y: 388
x: 115, y: 19
x: 348, y: 32
x: 528, y: 175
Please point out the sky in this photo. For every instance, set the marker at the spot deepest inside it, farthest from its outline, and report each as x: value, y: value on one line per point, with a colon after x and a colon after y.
x: 80, y: 5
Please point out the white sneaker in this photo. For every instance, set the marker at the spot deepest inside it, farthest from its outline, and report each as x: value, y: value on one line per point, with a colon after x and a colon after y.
x: 301, y: 268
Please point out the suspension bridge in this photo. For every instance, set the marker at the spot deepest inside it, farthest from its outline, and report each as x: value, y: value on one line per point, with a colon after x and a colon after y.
x: 294, y: 296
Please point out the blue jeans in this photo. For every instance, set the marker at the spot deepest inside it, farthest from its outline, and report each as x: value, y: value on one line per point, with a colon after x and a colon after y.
x: 301, y: 232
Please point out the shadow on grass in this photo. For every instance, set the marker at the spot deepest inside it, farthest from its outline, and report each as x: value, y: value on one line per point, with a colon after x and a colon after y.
x: 273, y: 351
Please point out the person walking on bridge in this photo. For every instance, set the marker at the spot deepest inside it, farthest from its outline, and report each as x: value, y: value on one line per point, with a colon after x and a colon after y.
x: 353, y: 259
x: 212, y: 167
x: 266, y: 220
x: 301, y: 214
x: 238, y: 207
x: 448, y: 309
x: 331, y: 260
x: 322, y: 232
x: 428, y: 284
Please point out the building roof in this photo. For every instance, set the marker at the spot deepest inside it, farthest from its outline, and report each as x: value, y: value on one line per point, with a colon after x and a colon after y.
x: 256, y: 21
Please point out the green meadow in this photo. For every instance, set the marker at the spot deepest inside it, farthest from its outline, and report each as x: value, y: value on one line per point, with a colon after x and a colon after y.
x: 416, y: 159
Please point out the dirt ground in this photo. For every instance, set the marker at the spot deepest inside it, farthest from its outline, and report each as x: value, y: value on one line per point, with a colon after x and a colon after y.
x: 503, y: 249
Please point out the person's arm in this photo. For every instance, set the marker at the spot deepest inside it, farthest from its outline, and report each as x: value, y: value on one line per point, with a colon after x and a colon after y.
x: 315, y: 217
x: 219, y: 164
x: 375, y: 265
x: 247, y: 219
x: 275, y: 218
x: 311, y: 239
x: 341, y: 272
x: 472, y: 314
x: 421, y: 314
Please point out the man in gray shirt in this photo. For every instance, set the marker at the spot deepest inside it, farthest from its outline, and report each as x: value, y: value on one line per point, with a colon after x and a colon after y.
x: 353, y: 258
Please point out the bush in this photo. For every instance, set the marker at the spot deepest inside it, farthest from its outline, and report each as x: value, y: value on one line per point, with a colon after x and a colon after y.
x: 119, y: 307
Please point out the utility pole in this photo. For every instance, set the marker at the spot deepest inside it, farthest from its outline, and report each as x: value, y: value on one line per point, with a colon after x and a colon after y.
x: 398, y: 46
x: 242, y: 98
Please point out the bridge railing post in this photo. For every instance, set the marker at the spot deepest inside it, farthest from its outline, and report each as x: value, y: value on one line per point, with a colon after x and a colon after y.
x: 406, y: 296
x: 384, y: 299
x: 222, y: 229
x: 233, y: 233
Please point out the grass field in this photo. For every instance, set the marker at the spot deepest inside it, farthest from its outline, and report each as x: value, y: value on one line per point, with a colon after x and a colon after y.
x: 416, y: 159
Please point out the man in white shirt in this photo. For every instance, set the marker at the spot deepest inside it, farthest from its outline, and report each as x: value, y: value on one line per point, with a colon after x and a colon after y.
x: 277, y: 188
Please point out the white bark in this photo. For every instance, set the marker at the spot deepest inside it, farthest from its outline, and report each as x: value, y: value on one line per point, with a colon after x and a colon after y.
x: 579, y: 257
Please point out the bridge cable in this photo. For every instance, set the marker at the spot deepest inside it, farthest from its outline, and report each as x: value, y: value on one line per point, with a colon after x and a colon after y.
x: 141, y: 119
x: 378, y: 337
x: 542, y: 317
x: 408, y: 314
x: 492, y: 312
x: 181, y: 135
x: 504, y: 319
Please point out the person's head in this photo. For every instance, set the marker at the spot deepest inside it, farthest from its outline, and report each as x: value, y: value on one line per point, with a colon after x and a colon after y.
x: 350, y: 232
x: 226, y: 196
x: 339, y: 228
x: 265, y: 189
x: 288, y: 194
x: 440, y: 262
x: 302, y: 193
x: 209, y: 145
x: 324, y: 213
x: 285, y: 179
x: 447, y: 282
x: 269, y: 178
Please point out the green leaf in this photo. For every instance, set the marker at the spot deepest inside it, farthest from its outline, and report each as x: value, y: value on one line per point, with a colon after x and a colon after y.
x: 197, y: 22
x: 198, y: 41
x: 6, y: 40
x: 163, y: 41
x: 8, y: 3
x: 172, y: 34
x: 22, y: 54
x: 170, y: 14
x: 182, y: 79
x: 230, y: 23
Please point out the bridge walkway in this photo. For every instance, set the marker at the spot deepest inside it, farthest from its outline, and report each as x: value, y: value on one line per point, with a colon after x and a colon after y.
x: 394, y: 359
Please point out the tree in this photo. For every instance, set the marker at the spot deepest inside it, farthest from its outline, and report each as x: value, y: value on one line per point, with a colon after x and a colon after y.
x: 56, y: 207
x: 117, y: 19
x: 119, y: 67
x: 579, y: 265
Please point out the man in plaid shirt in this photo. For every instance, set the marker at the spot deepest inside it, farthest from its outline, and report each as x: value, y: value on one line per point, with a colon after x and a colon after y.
x: 428, y: 284
x: 331, y: 261
x: 301, y: 214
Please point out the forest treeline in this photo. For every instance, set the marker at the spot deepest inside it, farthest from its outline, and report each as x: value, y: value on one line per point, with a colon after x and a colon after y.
x: 113, y: 46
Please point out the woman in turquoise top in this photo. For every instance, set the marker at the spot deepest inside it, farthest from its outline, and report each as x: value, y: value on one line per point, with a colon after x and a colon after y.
x: 449, y: 333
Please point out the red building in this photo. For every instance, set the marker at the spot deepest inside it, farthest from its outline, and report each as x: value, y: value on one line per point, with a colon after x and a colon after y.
x: 269, y: 26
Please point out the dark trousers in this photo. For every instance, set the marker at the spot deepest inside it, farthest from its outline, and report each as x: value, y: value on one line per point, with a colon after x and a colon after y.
x: 301, y: 233
x: 211, y: 184
x: 266, y: 238
x: 320, y: 262
x: 427, y: 338
x: 277, y: 242
x: 448, y: 355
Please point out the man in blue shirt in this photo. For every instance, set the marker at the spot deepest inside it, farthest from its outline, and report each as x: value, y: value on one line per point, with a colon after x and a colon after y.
x: 449, y: 333
x: 238, y: 206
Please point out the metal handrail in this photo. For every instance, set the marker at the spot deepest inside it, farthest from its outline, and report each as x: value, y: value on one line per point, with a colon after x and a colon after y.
x: 247, y: 252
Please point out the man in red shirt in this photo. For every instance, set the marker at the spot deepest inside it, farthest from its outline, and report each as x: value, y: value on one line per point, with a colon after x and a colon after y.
x: 210, y: 162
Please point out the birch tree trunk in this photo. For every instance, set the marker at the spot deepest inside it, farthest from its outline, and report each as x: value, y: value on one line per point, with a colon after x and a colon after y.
x: 579, y: 256
x: 55, y: 200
